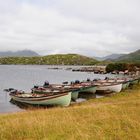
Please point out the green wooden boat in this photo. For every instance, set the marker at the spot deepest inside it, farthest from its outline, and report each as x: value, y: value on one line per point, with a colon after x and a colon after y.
x: 128, y: 83
x: 125, y: 85
x: 57, y: 98
x: 46, y: 90
x: 74, y: 91
x: 134, y: 81
x: 74, y: 94
x: 87, y: 92
x: 88, y: 89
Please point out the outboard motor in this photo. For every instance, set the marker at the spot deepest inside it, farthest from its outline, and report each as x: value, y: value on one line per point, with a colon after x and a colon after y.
x: 65, y: 83
x: 88, y: 80
x: 95, y: 80
x: 71, y: 82
x: 46, y: 84
x: 13, y: 91
x: 77, y: 81
x: 106, y: 78
x: 36, y: 86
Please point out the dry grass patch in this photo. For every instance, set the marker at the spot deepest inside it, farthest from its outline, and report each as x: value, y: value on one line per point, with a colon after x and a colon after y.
x: 115, y: 117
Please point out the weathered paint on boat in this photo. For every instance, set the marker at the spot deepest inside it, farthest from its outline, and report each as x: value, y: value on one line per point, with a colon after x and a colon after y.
x: 39, y: 92
x: 63, y: 99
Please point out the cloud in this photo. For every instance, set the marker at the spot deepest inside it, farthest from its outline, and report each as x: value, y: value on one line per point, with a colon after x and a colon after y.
x: 90, y: 27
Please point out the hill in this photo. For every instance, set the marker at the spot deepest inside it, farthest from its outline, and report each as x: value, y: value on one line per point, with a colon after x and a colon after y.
x: 23, y: 53
x: 130, y: 58
x: 58, y: 59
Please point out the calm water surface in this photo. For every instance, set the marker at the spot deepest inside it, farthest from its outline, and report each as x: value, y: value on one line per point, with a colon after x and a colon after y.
x: 25, y: 76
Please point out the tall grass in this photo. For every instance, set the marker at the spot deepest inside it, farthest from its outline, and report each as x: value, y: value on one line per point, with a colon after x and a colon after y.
x: 110, y: 118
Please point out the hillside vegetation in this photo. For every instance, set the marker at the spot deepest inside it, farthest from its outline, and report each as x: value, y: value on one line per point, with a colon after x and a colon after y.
x: 67, y: 59
x: 59, y: 59
x: 130, y: 58
x: 110, y: 118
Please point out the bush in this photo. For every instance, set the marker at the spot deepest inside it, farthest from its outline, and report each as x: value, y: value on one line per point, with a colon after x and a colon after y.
x: 122, y: 67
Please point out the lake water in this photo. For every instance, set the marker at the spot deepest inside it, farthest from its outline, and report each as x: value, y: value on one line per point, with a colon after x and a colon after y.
x: 24, y: 77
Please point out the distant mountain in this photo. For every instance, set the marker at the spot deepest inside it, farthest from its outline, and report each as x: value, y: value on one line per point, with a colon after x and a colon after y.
x: 113, y: 56
x: 109, y: 57
x: 133, y: 57
x: 26, y: 53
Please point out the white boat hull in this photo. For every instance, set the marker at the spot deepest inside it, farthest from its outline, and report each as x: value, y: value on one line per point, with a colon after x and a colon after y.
x: 115, y: 87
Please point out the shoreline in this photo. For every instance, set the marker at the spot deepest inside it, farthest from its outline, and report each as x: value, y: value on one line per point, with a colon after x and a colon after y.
x: 33, y: 108
x: 112, y: 95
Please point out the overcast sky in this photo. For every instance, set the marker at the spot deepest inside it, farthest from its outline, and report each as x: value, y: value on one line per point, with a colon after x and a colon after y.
x: 89, y: 27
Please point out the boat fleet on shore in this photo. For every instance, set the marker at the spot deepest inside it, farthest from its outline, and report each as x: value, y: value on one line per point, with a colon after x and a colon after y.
x: 63, y: 94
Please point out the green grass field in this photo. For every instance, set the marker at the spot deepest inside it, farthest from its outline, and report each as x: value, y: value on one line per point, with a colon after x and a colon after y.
x: 110, y: 118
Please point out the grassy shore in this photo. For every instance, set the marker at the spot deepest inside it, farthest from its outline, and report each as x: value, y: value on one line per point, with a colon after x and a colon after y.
x: 110, y: 118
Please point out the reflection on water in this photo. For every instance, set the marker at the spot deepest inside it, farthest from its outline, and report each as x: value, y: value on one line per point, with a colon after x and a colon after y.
x: 23, y: 77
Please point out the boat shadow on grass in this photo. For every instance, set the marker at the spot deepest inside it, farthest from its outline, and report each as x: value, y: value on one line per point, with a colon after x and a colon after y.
x: 26, y: 106
x: 84, y: 96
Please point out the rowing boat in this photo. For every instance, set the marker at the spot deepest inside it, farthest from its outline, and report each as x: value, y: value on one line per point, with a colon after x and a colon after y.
x: 102, y: 87
x: 52, y: 98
